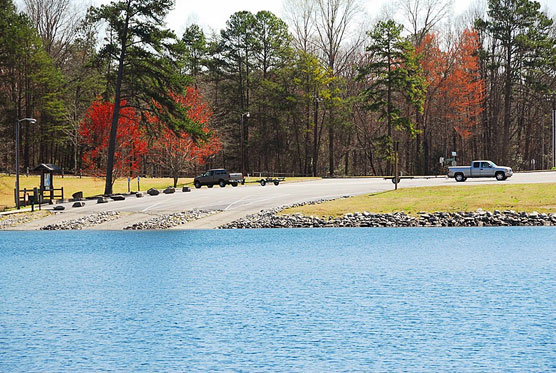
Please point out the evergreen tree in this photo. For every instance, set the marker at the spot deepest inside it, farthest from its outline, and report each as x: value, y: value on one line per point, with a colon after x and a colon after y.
x: 523, y: 33
x: 146, y: 70
x: 393, y: 80
x: 196, y: 51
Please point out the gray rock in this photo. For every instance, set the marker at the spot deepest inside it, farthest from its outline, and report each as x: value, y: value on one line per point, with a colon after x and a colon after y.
x: 186, y: 189
x: 102, y: 200
x: 59, y: 208
x: 90, y: 220
x: 77, y: 196
x: 153, y: 192
x: 139, y: 194
x: 118, y: 197
x: 78, y: 204
x: 171, y: 220
x: 169, y: 190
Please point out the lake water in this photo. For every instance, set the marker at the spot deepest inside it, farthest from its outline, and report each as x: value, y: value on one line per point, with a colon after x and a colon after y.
x: 416, y: 299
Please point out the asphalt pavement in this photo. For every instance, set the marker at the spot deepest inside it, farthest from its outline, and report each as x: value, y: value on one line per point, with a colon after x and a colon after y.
x: 237, y: 202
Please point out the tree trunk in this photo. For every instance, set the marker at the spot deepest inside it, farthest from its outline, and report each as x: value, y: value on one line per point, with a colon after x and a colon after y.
x: 507, y: 106
x: 117, y: 105
x: 315, y: 136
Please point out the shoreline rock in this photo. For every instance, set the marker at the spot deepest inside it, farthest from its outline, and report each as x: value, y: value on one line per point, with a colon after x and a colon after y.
x: 86, y: 221
x: 479, y: 218
x: 14, y: 220
x: 171, y: 220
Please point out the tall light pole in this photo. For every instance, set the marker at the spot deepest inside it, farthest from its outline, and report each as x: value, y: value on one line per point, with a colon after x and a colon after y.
x: 246, y: 115
x: 30, y: 120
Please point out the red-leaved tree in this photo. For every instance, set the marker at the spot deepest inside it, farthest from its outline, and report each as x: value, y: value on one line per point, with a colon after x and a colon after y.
x: 177, y: 152
x: 130, y: 143
x: 465, y: 85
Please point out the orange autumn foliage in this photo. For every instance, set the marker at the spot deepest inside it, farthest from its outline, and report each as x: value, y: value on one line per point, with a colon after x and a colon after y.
x: 177, y: 151
x: 465, y: 86
x: 455, y: 88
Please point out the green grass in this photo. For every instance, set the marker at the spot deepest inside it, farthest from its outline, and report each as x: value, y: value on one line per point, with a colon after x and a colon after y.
x: 519, y: 197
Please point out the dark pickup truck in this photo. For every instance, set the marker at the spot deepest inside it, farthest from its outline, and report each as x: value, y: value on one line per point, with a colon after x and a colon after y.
x: 218, y: 176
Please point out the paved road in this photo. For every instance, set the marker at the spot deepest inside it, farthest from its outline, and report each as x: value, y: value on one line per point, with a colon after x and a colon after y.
x: 243, y: 200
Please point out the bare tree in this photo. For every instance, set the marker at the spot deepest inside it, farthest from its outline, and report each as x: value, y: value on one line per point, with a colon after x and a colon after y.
x: 334, y: 21
x: 57, y: 22
x: 422, y: 16
x: 299, y: 15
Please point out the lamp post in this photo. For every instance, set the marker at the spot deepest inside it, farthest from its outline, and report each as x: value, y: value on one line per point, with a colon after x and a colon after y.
x: 246, y: 115
x: 30, y: 120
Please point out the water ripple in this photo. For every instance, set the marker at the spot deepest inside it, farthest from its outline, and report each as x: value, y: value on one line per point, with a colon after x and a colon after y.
x: 279, y: 300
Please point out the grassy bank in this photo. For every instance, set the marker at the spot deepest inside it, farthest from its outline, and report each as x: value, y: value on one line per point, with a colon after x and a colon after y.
x: 519, y: 197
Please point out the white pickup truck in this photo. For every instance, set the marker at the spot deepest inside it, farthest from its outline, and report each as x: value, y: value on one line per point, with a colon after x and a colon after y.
x: 480, y: 169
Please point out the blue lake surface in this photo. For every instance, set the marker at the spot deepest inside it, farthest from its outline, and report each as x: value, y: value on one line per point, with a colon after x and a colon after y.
x: 415, y: 299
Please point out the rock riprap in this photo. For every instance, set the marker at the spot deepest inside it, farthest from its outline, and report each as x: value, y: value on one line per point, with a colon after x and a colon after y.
x: 10, y: 221
x: 479, y: 218
x: 84, y: 222
x: 171, y: 220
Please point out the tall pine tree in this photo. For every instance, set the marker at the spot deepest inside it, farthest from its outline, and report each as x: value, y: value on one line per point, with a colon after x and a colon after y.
x: 146, y: 72
x: 393, y: 80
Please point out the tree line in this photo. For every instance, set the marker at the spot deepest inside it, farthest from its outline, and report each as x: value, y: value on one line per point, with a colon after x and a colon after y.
x: 319, y: 92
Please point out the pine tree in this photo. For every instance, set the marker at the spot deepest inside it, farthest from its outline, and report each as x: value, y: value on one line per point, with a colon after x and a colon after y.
x: 393, y: 79
x: 146, y: 70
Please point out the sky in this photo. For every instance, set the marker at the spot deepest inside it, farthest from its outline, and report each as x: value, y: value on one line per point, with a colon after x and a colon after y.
x: 213, y: 14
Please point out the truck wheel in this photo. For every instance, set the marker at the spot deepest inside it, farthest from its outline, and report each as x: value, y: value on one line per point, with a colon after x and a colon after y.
x: 210, y: 185
x: 234, y: 184
x: 222, y: 183
x: 197, y: 184
x: 394, y: 180
x: 500, y: 176
x: 459, y: 177
x: 263, y: 182
x: 276, y: 182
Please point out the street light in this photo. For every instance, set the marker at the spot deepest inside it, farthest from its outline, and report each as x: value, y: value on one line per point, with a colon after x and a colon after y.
x: 246, y: 115
x: 32, y: 121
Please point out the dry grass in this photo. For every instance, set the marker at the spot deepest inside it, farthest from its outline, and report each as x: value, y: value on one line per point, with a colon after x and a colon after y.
x: 90, y: 186
x: 519, y: 197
